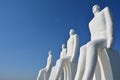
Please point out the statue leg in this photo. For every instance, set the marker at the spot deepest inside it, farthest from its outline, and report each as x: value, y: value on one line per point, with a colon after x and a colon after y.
x: 46, y: 75
x: 81, y: 63
x: 41, y: 74
x: 60, y: 64
x: 91, y: 57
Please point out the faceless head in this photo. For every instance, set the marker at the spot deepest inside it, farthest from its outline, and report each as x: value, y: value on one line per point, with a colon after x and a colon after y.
x: 72, y: 32
x: 96, y: 9
x: 63, y: 46
x: 50, y: 52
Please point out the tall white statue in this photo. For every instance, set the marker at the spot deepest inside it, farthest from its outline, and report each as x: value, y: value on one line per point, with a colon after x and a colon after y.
x: 72, y: 49
x: 62, y: 54
x: 101, y: 29
x: 45, y: 72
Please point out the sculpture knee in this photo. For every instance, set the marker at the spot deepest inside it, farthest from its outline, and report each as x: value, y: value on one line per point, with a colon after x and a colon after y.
x: 83, y: 50
x: 91, y: 45
x: 83, y: 47
x: 60, y: 61
x: 42, y: 70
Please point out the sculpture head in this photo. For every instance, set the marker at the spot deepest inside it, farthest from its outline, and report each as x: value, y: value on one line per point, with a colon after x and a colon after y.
x: 63, y: 46
x: 72, y: 32
x: 50, y: 53
x: 96, y: 9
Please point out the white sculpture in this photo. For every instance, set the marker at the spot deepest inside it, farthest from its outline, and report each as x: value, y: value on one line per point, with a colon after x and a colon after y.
x: 53, y: 72
x: 62, y: 54
x: 64, y: 51
x: 101, y: 29
x: 72, y: 49
x: 45, y: 72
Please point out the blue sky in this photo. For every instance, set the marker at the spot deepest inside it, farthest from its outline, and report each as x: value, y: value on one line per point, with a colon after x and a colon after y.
x: 30, y: 28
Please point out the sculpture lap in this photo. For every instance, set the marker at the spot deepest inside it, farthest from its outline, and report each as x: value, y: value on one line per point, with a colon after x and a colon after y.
x: 64, y: 59
x: 60, y: 64
x: 41, y: 74
x: 88, y: 58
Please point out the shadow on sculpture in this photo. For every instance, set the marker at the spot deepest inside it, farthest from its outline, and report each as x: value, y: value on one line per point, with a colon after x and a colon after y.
x: 103, y: 68
x: 45, y: 72
x: 101, y: 29
x: 115, y: 63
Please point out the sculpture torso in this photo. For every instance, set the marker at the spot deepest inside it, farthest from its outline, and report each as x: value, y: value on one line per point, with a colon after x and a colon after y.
x: 49, y: 62
x: 97, y: 26
x: 63, y: 53
x: 70, y: 45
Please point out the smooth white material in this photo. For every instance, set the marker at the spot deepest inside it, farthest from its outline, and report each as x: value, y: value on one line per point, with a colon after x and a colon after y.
x: 103, y: 68
x: 52, y: 75
x: 53, y: 72
x: 101, y: 29
x: 70, y: 58
x: 69, y: 71
x: 45, y: 72
x: 97, y: 60
x: 105, y: 72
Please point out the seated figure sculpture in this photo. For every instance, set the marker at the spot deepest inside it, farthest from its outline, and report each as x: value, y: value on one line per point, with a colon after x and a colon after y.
x: 101, y: 29
x: 72, y: 50
x: 45, y: 72
x: 62, y: 54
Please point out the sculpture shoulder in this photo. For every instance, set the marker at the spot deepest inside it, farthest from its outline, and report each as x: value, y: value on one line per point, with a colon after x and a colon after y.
x: 50, y: 56
x: 106, y: 9
x: 76, y: 35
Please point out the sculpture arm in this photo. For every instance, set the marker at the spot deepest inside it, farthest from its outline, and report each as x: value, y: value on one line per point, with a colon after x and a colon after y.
x: 75, y: 47
x: 109, y: 27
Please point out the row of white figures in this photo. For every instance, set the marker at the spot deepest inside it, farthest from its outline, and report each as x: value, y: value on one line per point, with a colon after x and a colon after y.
x: 94, y: 62
x: 66, y: 65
